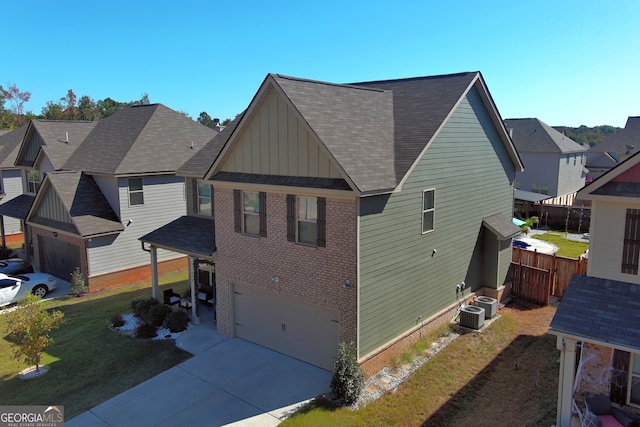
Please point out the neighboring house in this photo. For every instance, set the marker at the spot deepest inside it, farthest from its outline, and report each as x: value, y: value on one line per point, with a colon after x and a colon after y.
x: 597, y: 321
x: 354, y: 212
x: 554, y: 164
x: 615, y: 149
x: 11, y: 182
x: 95, y: 194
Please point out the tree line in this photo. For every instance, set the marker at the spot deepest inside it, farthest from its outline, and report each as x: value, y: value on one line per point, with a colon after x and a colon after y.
x: 68, y: 107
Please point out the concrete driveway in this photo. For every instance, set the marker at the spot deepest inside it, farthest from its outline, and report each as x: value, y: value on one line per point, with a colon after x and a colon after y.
x: 228, y: 381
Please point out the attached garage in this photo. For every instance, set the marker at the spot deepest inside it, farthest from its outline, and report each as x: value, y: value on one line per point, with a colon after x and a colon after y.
x: 58, y: 257
x: 305, y: 331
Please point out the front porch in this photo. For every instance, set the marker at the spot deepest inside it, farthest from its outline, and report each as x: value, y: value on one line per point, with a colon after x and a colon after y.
x: 194, y: 237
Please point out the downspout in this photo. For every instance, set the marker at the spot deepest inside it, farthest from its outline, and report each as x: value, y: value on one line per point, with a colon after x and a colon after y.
x: 155, y: 290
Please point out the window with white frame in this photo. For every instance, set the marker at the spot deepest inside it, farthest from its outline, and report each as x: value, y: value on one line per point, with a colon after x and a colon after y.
x: 204, y: 198
x: 634, y: 379
x: 136, y: 191
x: 307, y: 220
x: 33, y: 181
x: 251, y: 212
x: 428, y: 210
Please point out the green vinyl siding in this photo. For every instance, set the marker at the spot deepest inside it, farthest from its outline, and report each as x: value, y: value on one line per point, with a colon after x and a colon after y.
x: 401, y: 279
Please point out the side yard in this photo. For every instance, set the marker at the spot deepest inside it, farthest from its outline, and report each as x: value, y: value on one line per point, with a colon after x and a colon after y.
x: 505, y: 376
x: 89, y: 362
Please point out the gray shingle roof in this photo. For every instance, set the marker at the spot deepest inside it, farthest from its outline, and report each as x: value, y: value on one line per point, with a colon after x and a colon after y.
x: 200, y: 163
x: 9, y: 147
x: 18, y: 207
x: 603, y: 310
x: 627, y: 141
x: 535, y: 136
x: 187, y: 234
x: 501, y: 225
x: 140, y: 139
x: 54, y: 134
x: 90, y: 212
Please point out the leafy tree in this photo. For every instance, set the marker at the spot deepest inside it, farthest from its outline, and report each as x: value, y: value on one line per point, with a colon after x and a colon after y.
x: 205, y: 119
x: 78, y: 284
x: 87, y: 109
x: 69, y: 104
x: 30, y: 326
x: 225, y: 122
x: 53, y: 111
x: 17, y: 99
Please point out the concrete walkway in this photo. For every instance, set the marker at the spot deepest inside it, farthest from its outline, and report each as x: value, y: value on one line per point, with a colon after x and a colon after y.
x: 229, y: 381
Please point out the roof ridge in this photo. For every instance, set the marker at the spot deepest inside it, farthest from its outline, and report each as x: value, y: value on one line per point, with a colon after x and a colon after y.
x: 405, y: 79
x: 342, y: 85
x: 128, y: 151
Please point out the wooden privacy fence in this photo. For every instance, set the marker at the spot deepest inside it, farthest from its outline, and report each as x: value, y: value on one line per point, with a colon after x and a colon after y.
x: 533, y: 274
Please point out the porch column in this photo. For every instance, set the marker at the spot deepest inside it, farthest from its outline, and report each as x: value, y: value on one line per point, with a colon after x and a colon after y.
x: 155, y: 290
x: 194, y: 296
x: 567, y: 378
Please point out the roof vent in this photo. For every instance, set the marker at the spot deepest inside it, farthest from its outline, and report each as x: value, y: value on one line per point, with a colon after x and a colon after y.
x: 66, y: 137
x: 472, y: 317
x: 489, y: 304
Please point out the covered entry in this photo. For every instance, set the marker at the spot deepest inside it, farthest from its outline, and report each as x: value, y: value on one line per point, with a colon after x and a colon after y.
x: 305, y: 331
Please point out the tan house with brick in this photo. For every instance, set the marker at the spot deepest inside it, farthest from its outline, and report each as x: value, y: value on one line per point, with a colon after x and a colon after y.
x: 362, y: 212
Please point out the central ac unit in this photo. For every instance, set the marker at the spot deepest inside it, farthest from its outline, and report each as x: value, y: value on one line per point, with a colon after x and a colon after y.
x: 472, y: 317
x: 489, y: 304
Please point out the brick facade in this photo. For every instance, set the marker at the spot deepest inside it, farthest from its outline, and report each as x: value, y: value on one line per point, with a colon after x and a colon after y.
x: 314, y: 275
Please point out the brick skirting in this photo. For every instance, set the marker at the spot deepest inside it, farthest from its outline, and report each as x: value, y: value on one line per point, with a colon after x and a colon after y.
x: 134, y: 275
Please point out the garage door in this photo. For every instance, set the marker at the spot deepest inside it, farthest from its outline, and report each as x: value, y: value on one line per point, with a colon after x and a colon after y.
x: 304, y: 331
x: 57, y: 257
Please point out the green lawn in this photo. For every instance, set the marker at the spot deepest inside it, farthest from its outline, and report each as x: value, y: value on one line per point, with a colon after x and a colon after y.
x: 568, y: 248
x: 88, y: 362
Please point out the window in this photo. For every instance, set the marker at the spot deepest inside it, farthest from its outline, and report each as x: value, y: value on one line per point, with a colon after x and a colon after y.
x: 250, y: 212
x: 631, y: 245
x: 33, y: 181
x: 567, y: 159
x: 306, y: 220
x: 428, y: 210
x: 540, y: 188
x: 634, y: 379
x: 204, y: 199
x: 136, y: 196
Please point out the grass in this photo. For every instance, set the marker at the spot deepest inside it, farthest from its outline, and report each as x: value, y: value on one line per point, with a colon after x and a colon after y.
x: 501, y: 377
x: 567, y: 248
x: 88, y: 362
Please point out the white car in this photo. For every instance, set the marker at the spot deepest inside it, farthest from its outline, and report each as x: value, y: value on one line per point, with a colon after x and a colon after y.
x: 15, y: 288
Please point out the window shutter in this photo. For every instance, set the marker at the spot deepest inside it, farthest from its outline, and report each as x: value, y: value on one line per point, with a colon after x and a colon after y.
x: 237, y: 213
x: 322, y: 222
x: 631, y: 247
x: 262, y: 197
x: 291, y: 218
x: 620, y: 376
x: 212, y: 214
x: 194, y: 195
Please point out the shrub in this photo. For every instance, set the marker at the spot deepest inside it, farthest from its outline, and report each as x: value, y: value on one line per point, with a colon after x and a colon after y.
x: 348, y: 379
x: 158, y: 314
x: 142, y: 307
x: 177, y: 321
x: 146, y: 331
x: 6, y: 252
x: 116, y: 321
x: 78, y: 285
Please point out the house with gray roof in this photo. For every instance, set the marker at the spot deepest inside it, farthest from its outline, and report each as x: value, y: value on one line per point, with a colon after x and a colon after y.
x: 598, y: 320
x: 615, y: 149
x: 10, y: 182
x: 101, y: 185
x: 554, y: 164
x: 341, y: 212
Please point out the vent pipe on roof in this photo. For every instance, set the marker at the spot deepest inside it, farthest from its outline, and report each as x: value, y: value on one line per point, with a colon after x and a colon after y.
x: 510, y: 132
x: 67, y: 137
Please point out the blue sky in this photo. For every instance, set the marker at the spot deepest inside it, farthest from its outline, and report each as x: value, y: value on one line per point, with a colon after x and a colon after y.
x: 565, y: 62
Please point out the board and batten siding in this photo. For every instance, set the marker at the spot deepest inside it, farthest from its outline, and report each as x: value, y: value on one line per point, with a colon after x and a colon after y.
x: 163, y: 203
x: 276, y: 142
x: 401, y: 280
x: 12, y: 187
x: 51, y: 207
x: 608, y: 221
